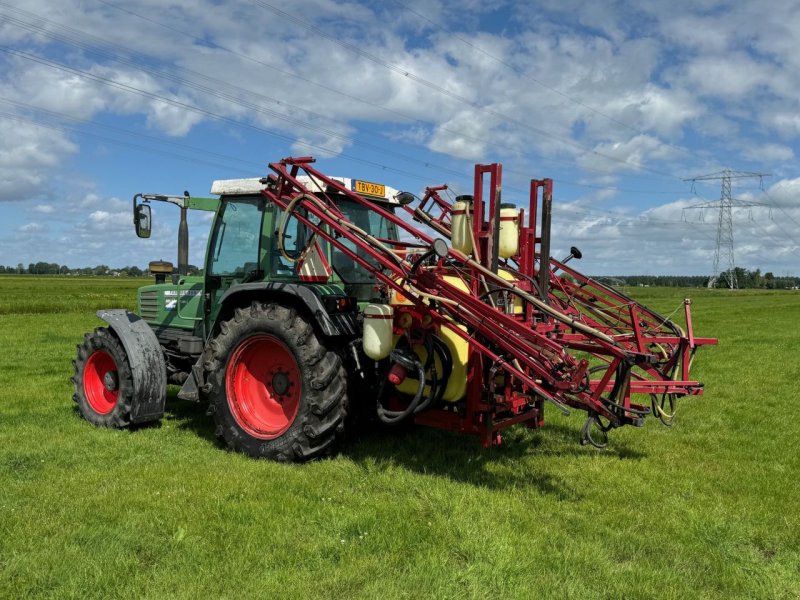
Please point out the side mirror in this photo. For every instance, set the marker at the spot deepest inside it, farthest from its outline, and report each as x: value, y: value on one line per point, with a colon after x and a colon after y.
x: 404, y: 198
x: 142, y: 220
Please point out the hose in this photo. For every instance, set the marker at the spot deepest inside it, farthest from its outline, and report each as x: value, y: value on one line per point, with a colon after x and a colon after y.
x: 586, y: 432
x: 434, y: 379
x: 446, y: 360
x: 282, y: 227
x: 622, y: 373
x: 435, y: 347
x: 668, y: 419
x: 391, y: 417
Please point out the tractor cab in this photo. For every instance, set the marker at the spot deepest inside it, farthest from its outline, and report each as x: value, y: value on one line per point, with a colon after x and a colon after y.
x: 252, y: 240
x: 256, y: 252
x: 253, y: 247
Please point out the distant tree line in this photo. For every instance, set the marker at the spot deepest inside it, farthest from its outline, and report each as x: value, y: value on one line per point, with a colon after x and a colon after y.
x: 45, y: 268
x: 744, y: 279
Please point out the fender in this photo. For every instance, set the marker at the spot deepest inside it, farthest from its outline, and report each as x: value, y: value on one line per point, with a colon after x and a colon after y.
x: 146, y: 360
x: 330, y: 324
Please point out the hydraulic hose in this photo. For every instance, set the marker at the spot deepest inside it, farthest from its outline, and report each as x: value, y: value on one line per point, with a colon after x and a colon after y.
x: 430, y: 361
x: 282, y: 226
x: 446, y: 360
x: 392, y: 416
x: 435, y: 347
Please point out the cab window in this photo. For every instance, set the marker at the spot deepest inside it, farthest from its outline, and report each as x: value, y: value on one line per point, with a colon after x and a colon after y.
x: 371, y: 222
x: 237, y: 237
x: 295, y: 238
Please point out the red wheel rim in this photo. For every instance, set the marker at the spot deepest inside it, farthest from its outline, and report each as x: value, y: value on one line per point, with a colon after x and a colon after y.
x: 101, y: 382
x: 262, y: 383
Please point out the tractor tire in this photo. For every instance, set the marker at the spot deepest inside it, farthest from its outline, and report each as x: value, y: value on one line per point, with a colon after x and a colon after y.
x: 275, y: 390
x: 103, y: 380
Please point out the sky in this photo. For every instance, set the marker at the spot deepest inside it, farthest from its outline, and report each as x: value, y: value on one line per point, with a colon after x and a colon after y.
x: 618, y: 102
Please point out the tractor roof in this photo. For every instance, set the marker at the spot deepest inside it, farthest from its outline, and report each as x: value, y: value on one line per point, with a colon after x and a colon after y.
x: 239, y: 187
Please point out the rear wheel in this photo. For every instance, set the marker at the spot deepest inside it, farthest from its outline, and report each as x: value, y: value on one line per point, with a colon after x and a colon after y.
x: 103, y: 380
x: 275, y: 390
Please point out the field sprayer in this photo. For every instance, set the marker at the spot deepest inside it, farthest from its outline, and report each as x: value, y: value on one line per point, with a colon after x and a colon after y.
x: 319, y: 302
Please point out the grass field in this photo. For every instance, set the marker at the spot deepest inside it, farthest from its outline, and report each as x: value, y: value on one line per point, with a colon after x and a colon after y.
x: 708, y: 509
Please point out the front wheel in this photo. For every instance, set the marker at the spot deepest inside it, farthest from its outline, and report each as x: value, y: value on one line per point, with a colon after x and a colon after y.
x: 275, y: 390
x: 103, y: 380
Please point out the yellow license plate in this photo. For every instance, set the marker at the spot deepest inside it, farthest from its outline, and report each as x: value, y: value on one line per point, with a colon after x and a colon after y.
x: 370, y: 189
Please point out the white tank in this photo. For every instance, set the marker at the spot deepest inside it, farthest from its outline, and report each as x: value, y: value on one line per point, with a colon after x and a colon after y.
x: 377, y: 337
x: 461, y: 224
x: 508, y: 244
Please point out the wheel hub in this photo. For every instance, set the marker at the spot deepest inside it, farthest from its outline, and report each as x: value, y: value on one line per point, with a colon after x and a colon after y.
x: 111, y: 380
x: 280, y: 383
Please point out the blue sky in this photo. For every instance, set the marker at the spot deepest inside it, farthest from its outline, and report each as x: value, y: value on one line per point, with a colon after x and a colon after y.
x: 618, y: 102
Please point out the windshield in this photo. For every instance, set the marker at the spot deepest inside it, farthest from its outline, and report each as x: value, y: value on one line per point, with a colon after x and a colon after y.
x: 235, y: 245
x: 371, y: 222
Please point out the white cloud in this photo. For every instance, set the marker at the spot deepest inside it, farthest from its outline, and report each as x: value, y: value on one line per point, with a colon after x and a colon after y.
x: 657, y: 109
x: 734, y: 74
x: 631, y: 154
x: 27, y: 154
x: 32, y: 228
x: 768, y: 153
x: 464, y: 146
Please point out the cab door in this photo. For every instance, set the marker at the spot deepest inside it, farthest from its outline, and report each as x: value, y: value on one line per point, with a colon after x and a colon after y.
x: 235, y: 250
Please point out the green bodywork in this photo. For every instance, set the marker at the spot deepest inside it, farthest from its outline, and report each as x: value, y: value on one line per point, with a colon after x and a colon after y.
x: 242, y: 249
x: 171, y: 305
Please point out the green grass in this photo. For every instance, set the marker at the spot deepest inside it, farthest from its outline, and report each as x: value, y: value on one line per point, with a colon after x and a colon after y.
x: 708, y: 509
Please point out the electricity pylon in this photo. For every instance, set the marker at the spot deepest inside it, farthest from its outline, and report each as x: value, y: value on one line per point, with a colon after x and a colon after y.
x: 723, y: 253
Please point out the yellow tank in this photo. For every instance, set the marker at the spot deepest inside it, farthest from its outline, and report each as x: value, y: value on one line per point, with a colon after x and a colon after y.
x: 457, y: 383
x: 508, y: 244
x: 461, y: 224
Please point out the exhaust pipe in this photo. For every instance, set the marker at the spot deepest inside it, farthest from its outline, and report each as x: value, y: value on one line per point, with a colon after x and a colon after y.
x: 183, y: 240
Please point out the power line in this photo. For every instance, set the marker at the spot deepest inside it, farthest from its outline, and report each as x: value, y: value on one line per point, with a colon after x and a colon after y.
x: 537, y: 81
x: 156, y: 148
x: 183, y: 105
x: 632, y: 219
x: 410, y: 174
x: 445, y: 91
x: 778, y: 206
x: 343, y: 94
x: 233, y: 99
x: 147, y: 149
x: 215, y: 92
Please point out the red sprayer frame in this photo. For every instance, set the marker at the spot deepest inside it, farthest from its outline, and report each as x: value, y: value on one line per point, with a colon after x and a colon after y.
x: 570, y: 328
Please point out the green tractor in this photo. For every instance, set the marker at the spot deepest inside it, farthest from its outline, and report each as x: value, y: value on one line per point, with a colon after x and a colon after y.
x: 312, y: 309
x: 265, y: 335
